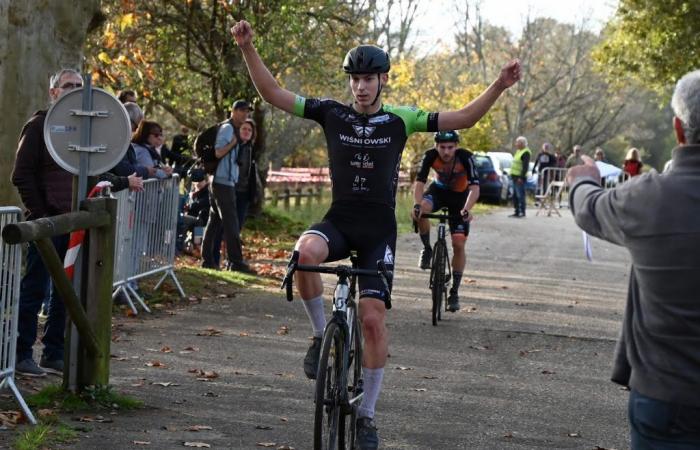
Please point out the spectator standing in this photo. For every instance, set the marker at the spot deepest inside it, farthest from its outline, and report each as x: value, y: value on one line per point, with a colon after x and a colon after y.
x: 127, y: 96
x: 181, y: 142
x: 654, y: 216
x: 560, y: 160
x: 246, y: 176
x: 223, y: 214
x: 544, y: 160
x: 575, y: 158
x: 599, y: 155
x: 633, y: 163
x: 46, y: 190
x: 518, y: 173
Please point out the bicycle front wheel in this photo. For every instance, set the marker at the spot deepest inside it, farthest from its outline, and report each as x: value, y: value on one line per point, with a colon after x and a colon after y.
x: 328, y: 385
x: 347, y: 421
x: 438, y: 279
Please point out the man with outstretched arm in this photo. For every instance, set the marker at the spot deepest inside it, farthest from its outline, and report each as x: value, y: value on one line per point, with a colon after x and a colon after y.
x: 365, y: 140
x: 456, y: 186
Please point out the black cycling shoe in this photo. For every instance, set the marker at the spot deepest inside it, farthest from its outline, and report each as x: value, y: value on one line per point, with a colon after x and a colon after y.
x: 453, y: 302
x: 366, y: 434
x: 311, y: 359
x: 425, y: 256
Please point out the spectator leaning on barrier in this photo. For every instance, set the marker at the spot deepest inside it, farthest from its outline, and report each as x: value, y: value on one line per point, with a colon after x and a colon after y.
x: 599, y: 155
x: 223, y: 215
x: 656, y: 217
x: 46, y: 190
x: 147, y: 137
x: 518, y: 172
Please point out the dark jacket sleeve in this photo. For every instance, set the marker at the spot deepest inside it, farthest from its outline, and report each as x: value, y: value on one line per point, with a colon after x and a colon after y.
x: 118, y: 183
x: 129, y: 165
x: 526, y: 163
x: 26, y: 175
x: 425, y: 164
x: 597, y: 211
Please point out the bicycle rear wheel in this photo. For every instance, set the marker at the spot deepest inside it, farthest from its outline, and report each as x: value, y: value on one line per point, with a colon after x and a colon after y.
x: 328, y: 384
x: 347, y: 421
x: 437, y: 284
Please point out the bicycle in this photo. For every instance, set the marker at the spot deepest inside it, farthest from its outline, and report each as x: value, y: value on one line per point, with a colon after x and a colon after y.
x: 440, y: 268
x: 336, y: 393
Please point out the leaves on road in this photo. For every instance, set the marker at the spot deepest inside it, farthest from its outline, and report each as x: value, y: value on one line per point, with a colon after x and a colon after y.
x: 198, y: 428
x: 204, y: 375
x: 283, y: 330
x: 186, y: 350
x: 142, y: 442
x: 155, y: 363
x: 210, y: 331
x: 263, y: 427
x: 164, y: 383
x: 197, y: 444
x: 404, y: 368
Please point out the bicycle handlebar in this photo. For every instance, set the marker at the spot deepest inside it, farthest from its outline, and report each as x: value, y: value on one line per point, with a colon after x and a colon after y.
x: 340, y: 270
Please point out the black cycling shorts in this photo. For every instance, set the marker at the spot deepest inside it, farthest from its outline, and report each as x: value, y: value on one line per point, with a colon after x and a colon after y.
x: 454, y: 201
x: 368, y: 230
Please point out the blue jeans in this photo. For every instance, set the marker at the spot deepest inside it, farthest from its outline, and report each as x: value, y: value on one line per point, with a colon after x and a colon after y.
x: 519, y: 195
x: 36, y: 285
x: 658, y: 425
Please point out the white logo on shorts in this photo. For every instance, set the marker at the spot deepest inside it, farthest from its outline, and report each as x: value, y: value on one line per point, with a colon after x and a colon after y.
x: 388, y: 256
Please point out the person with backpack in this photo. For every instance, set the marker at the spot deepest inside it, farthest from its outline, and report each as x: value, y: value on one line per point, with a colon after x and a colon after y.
x: 223, y: 173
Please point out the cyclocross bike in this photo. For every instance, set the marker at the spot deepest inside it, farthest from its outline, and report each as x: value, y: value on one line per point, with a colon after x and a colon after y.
x: 339, y: 377
x: 440, y: 268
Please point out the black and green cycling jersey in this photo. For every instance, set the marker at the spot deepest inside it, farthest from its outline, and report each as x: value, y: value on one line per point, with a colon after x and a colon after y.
x: 364, y: 150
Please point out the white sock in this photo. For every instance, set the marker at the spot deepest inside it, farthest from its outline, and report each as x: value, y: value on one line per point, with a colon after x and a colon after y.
x: 371, y: 385
x: 314, y: 309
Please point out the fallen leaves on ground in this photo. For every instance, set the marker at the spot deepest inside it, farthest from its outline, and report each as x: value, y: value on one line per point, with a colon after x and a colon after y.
x: 166, y: 349
x: 283, y: 330
x: 198, y: 428
x: 197, y: 444
x: 420, y: 389
x: 527, y: 352
x: 263, y: 427
x: 98, y: 419
x: 210, y: 331
x: 10, y: 419
x: 155, y: 363
x: 548, y: 372
x: 479, y: 347
x: 404, y: 368
x: 189, y: 350
x: 165, y: 383
x: 142, y: 442
x: 266, y: 444
x: 204, y: 375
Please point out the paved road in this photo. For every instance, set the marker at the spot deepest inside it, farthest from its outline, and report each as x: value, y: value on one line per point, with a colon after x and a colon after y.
x: 524, y: 365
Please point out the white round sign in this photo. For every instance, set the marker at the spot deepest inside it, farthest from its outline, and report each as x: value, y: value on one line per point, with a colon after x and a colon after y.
x: 110, y: 131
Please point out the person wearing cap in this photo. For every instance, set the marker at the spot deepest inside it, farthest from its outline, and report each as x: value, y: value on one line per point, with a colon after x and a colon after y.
x: 223, y: 212
x: 365, y: 140
x: 455, y: 186
x: 655, y: 217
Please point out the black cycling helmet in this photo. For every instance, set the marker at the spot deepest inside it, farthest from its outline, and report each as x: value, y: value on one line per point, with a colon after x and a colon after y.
x: 366, y: 59
x: 447, y: 136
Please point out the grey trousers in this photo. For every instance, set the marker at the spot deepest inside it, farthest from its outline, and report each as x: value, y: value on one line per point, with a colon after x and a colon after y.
x: 222, y: 214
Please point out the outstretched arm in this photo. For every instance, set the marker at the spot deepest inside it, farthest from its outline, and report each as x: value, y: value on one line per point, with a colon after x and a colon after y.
x: 468, y: 116
x: 263, y: 80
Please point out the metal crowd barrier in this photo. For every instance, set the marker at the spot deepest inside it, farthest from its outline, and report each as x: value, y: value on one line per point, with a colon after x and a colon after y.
x: 10, y: 277
x: 146, y: 235
x: 552, y: 174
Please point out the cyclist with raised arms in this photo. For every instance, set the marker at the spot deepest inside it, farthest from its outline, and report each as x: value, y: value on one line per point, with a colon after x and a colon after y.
x: 365, y: 140
x: 456, y: 186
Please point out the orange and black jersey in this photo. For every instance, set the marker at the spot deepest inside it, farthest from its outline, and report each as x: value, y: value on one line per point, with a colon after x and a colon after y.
x: 457, y: 175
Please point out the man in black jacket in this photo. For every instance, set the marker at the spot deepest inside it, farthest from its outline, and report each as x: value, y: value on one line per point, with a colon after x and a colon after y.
x: 656, y: 218
x: 46, y: 190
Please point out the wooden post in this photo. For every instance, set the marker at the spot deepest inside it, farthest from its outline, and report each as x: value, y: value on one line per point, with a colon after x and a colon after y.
x: 94, y: 369
x: 319, y: 194
x: 287, y: 195
x: 309, y: 196
x: 297, y: 197
x: 275, y: 198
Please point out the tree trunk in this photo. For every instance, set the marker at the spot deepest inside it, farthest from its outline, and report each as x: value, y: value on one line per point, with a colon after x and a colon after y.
x: 37, y: 38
